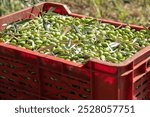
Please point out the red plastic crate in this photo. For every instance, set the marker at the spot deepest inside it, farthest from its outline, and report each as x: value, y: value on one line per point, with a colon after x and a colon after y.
x: 56, y: 78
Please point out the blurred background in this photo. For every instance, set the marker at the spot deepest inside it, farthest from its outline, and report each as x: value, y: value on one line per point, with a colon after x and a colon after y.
x: 127, y: 11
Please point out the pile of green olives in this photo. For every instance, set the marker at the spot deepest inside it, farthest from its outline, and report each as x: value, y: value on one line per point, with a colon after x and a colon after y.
x: 76, y: 39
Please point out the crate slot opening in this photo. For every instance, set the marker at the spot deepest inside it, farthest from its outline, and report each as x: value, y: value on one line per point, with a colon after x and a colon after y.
x: 28, y: 78
x: 76, y: 86
x: 59, y: 87
x: 13, y: 95
x: 2, y: 77
x: 2, y: 92
x: 148, y: 64
x: 145, y: 82
x: 11, y: 66
x: 64, y: 97
x: 26, y: 93
x: 58, y: 74
x: 144, y: 98
x: 83, y: 96
x: 69, y: 77
x: 34, y: 80
x: 83, y: 82
x: 56, y: 95
x: 48, y: 84
x: 5, y: 71
x: 144, y: 90
x: 140, y: 70
x: 22, y: 83
x: 31, y: 72
x: 1, y: 64
x: 72, y: 92
x: 87, y: 90
x: 14, y: 74
x: 30, y: 86
x: 16, y: 90
x: 53, y: 79
x: 6, y: 87
x: 25, y: 64
x: 137, y: 87
x: 11, y: 80
x: 137, y: 95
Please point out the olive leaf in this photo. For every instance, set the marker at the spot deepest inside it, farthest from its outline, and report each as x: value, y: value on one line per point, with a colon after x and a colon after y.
x: 134, y: 40
x: 50, y: 11
x: 12, y: 27
x: 114, y: 44
x: 45, y: 48
x: 46, y: 24
x: 67, y: 29
x: 22, y: 21
x: 146, y: 29
x: 75, y: 27
x: 32, y: 43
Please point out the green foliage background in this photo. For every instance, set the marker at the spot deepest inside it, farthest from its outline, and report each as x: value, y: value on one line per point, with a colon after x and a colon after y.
x: 128, y: 11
